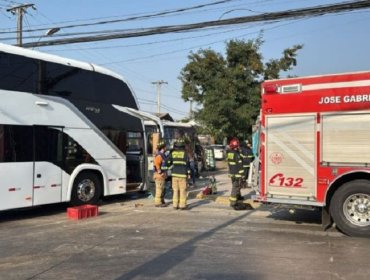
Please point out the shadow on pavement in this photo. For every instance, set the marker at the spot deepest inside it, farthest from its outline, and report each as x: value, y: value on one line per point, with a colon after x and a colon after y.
x: 59, y: 208
x: 198, y: 203
x: 30, y: 213
x: 299, y: 216
x: 160, y: 265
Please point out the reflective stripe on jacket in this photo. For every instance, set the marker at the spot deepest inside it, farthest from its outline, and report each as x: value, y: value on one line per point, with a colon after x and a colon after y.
x: 180, y: 163
x: 234, y: 161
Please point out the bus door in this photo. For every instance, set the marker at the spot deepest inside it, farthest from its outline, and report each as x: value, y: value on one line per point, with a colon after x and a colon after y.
x: 48, y: 156
x: 152, y: 142
x: 16, y: 166
x: 135, y: 160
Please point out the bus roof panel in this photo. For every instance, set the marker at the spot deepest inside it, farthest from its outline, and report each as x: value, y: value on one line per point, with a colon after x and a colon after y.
x: 58, y: 59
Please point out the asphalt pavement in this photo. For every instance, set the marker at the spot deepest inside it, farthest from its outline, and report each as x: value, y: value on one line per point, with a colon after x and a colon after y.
x: 132, y: 239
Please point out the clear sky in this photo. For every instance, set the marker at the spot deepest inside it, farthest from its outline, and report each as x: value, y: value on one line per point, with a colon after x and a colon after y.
x: 332, y: 43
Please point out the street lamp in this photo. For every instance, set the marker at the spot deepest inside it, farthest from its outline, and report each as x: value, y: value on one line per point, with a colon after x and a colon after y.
x: 48, y: 33
x: 52, y: 31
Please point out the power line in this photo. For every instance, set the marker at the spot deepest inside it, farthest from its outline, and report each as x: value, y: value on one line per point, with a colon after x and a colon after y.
x: 4, y: 14
x: 186, y: 49
x: 196, y: 46
x: 153, y: 42
x: 147, y: 100
x: 167, y: 95
x: 174, y: 110
x: 168, y: 108
x: 11, y: 2
x: 274, y: 16
x: 162, y: 13
x: 105, y: 32
x: 171, y: 13
x: 151, y: 102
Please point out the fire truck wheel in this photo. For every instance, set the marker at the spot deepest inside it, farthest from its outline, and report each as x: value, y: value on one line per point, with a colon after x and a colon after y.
x: 86, y: 189
x: 350, y: 208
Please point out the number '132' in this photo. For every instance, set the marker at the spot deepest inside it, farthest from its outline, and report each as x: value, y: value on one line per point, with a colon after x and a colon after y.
x: 279, y: 180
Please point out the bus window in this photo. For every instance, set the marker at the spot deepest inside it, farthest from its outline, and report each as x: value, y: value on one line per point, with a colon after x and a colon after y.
x: 74, y: 154
x: 135, y: 142
x: 18, y: 73
x: 149, y: 149
x: 16, y: 143
x: 49, y: 145
x: 66, y: 81
x: 114, y: 91
x: 117, y: 137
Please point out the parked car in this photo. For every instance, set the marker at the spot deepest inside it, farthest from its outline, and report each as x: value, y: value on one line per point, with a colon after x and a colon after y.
x: 219, y: 151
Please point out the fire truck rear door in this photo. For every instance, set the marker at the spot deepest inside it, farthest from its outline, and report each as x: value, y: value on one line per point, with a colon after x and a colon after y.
x: 290, y: 157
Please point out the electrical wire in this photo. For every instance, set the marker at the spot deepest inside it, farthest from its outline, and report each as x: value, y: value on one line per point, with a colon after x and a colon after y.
x: 11, y: 2
x: 189, y: 48
x: 166, y: 12
x: 274, y: 16
x: 155, y: 42
x: 171, y: 109
x: 120, y: 16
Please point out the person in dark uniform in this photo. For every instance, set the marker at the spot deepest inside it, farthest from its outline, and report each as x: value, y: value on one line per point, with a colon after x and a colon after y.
x: 180, y: 166
x: 160, y: 174
x: 236, y: 171
x: 247, y: 158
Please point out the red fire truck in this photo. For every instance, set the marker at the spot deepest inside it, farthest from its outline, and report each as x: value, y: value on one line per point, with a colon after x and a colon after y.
x: 314, y: 147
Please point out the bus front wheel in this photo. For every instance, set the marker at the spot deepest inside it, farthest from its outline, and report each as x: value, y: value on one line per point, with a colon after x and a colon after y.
x: 86, y: 189
x: 350, y: 208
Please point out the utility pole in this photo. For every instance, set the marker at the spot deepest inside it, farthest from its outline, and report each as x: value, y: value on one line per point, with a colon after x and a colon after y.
x: 20, y: 11
x: 159, y: 84
x: 191, y: 108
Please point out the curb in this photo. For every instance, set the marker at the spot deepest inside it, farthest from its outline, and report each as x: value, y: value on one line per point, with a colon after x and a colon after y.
x: 219, y: 199
x: 224, y: 200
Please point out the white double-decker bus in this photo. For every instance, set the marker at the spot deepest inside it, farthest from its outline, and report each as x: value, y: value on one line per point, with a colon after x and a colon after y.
x: 63, y: 135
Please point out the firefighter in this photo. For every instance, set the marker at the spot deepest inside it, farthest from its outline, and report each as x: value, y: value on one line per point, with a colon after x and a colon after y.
x: 160, y: 174
x: 234, y: 160
x: 247, y: 158
x: 179, y: 162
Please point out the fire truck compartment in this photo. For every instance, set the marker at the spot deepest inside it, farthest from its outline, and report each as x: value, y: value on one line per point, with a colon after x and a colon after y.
x: 345, y: 138
x: 291, y: 156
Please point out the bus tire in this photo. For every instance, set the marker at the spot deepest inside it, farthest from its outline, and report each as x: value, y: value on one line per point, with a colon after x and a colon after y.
x: 87, y: 189
x: 350, y: 208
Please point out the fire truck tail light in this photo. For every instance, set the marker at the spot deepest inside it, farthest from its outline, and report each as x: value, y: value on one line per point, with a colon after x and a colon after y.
x: 268, y: 89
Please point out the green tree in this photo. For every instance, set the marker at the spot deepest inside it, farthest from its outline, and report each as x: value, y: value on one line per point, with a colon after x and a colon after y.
x: 228, y: 88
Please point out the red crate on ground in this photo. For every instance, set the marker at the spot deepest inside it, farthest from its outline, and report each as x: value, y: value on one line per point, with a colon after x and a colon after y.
x: 82, y: 212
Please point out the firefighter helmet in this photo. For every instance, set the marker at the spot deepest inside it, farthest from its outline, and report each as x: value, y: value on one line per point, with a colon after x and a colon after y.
x: 179, y: 143
x: 161, y: 144
x: 234, y: 143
